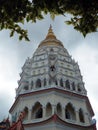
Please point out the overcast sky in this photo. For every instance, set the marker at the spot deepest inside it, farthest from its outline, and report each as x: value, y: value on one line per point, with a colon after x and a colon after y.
x: 13, y: 54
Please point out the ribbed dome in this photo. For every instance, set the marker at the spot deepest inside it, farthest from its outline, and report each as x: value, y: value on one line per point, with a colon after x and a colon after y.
x: 50, y: 39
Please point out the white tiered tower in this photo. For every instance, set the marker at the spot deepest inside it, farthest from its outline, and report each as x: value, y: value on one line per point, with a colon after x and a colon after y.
x: 51, y: 91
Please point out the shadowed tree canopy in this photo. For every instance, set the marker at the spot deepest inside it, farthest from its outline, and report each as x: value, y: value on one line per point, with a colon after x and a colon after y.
x: 84, y: 14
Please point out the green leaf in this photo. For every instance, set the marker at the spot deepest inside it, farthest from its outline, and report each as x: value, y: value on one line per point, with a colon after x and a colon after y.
x: 27, y: 39
x: 84, y: 14
x: 12, y: 33
x: 68, y: 22
x: 52, y: 15
x: 20, y: 37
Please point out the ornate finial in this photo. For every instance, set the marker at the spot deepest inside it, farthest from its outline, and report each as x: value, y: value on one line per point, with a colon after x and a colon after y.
x: 50, y: 36
x: 50, y: 27
x: 50, y: 33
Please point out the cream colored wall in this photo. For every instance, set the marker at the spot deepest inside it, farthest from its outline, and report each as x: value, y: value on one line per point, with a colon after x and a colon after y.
x: 55, y: 126
x: 53, y: 99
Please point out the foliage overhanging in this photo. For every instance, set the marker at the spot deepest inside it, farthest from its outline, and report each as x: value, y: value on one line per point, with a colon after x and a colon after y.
x: 13, y: 12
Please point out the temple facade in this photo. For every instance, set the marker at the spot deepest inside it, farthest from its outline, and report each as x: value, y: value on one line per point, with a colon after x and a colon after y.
x: 51, y: 91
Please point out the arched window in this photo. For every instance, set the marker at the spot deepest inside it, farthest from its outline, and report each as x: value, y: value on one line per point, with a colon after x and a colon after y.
x: 67, y: 114
x: 81, y: 115
x: 45, y: 82
x: 67, y: 84
x: 61, y: 83
x: 38, y: 83
x: 49, y: 81
x: 70, y: 112
x: 32, y: 84
x: 59, y: 110
x: 37, y: 111
x: 14, y: 118
x: 56, y: 83
x: 26, y: 87
x: 48, y: 110
x: 51, y: 49
x: 73, y: 86
x: 26, y: 113
x: 79, y: 88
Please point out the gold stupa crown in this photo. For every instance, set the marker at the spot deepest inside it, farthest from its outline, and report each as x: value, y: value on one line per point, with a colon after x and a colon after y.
x: 50, y: 39
x: 50, y: 34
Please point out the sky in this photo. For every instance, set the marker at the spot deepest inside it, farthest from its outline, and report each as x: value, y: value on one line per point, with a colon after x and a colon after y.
x: 13, y: 54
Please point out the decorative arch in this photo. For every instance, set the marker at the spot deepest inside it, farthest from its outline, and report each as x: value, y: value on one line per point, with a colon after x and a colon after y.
x: 26, y: 113
x: 70, y: 112
x: 38, y: 83
x: 61, y: 83
x: 48, y: 110
x: 67, y: 84
x: 81, y: 115
x: 37, y: 111
x: 59, y: 109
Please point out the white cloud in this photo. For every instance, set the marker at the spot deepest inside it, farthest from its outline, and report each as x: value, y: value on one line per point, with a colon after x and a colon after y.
x: 87, y: 59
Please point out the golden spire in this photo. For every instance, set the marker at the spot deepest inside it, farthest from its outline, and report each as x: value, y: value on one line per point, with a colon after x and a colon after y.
x: 50, y: 39
x: 50, y: 34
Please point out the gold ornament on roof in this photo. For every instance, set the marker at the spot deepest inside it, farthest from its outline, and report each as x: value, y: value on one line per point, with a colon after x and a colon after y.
x: 50, y: 39
x: 50, y: 34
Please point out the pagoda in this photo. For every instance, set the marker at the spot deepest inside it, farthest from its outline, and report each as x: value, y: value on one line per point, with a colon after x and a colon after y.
x: 51, y: 91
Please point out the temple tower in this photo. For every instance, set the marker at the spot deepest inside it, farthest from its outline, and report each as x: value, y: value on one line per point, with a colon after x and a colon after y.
x: 51, y: 90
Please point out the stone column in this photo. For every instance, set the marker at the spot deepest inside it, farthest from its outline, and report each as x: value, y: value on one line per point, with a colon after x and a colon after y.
x: 58, y: 83
x: 63, y: 113
x: 77, y: 115
x: 76, y: 87
x: 47, y: 80
x: 34, y: 85
x: 53, y: 109
x: 42, y: 83
x: 44, y: 112
x: 86, y: 118
x: 30, y: 114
